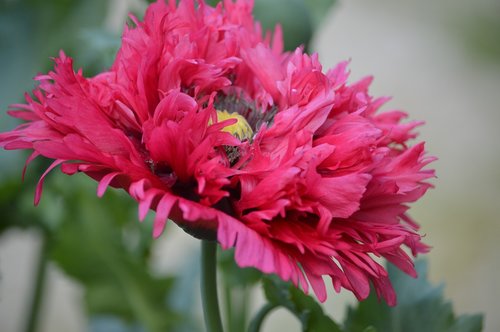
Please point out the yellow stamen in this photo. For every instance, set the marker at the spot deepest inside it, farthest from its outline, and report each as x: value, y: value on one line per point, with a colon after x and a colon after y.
x: 240, y: 129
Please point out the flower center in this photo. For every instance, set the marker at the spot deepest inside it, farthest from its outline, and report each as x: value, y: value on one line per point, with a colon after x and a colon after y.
x: 250, y: 114
x: 241, y: 129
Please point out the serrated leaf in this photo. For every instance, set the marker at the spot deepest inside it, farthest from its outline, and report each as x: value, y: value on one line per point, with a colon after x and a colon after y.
x: 304, y: 307
x: 421, y: 307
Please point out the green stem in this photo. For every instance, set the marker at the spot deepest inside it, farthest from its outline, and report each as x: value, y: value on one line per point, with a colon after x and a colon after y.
x: 41, y: 273
x: 236, y: 301
x: 209, y: 297
x: 242, y: 317
x: 228, y: 306
x: 257, y: 321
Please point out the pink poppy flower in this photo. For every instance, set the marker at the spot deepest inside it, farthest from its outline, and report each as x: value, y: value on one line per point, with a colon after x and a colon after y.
x: 212, y: 125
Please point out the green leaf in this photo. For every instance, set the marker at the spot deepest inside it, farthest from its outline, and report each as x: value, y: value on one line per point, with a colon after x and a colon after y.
x: 421, y: 307
x: 304, y: 307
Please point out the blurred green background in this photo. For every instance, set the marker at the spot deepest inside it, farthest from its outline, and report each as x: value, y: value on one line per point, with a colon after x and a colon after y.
x: 439, y: 59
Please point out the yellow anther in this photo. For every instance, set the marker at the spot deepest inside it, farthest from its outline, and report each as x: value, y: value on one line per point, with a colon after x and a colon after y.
x: 240, y: 129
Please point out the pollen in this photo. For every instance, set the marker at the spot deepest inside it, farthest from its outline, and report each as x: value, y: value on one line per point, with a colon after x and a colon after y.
x: 241, y: 129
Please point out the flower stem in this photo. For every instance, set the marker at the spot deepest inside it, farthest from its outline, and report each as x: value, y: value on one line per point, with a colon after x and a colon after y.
x: 257, y: 321
x: 209, y: 297
x: 41, y: 273
x: 228, y: 306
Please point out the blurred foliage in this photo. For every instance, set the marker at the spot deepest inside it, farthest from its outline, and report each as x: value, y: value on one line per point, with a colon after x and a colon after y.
x: 294, y: 17
x: 421, y: 307
x: 481, y: 34
x: 100, y: 244
x: 32, y: 31
x: 304, y: 307
x: 46, y: 18
x: 17, y: 196
x: 319, y: 9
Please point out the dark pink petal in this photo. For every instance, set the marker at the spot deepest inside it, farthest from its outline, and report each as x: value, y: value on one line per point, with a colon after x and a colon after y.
x: 104, y: 183
x: 39, y: 187
x: 162, y: 213
x: 321, y: 187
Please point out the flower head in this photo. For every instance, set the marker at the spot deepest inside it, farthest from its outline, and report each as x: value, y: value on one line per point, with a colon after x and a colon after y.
x: 213, y: 126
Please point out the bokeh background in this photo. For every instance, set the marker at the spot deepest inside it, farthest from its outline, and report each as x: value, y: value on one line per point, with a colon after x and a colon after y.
x: 440, y: 60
